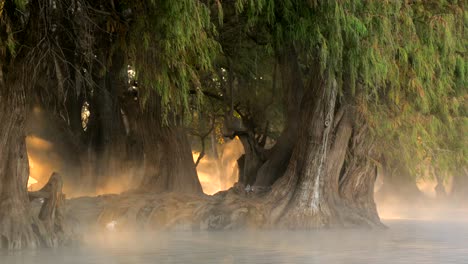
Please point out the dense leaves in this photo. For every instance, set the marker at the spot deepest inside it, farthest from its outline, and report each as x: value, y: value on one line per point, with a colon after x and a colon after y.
x: 401, y: 63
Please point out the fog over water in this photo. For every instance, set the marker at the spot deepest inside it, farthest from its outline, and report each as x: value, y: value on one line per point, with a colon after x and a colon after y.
x: 424, y: 233
x: 405, y: 241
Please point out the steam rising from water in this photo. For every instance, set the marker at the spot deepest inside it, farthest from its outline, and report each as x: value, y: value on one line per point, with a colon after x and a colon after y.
x: 404, y: 242
x: 215, y: 175
x: 427, y: 231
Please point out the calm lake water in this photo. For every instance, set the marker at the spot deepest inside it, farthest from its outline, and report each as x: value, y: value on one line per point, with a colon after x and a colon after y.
x: 406, y: 241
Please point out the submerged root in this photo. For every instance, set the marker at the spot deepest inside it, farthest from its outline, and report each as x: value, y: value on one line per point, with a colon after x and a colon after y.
x: 17, y: 236
x: 39, y: 224
x: 19, y: 229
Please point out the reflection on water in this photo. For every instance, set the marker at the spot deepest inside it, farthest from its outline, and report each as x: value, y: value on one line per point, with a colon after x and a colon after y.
x: 406, y: 241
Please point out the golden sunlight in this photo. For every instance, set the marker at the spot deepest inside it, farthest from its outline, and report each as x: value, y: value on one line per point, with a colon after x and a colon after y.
x: 42, y: 162
x: 219, y: 174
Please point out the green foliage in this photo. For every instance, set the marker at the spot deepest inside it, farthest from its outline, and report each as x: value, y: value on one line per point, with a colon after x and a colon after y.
x: 7, y: 41
x: 402, y: 63
x: 170, y: 43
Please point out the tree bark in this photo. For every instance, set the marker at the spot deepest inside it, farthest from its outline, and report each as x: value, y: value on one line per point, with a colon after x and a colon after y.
x: 356, y: 182
x: 18, y: 227
x: 168, y: 161
x: 307, y: 204
x: 323, y: 185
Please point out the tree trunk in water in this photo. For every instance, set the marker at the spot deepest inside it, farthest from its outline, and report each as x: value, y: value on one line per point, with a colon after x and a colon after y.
x: 439, y: 189
x: 307, y: 203
x: 18, y: 227
x: 16, y: 230
x: 309, y: 194
x: 460, y: 186
x: 356, y: 182
x: 168, y: 161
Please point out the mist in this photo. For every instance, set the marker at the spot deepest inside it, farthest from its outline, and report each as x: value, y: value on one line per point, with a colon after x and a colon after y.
x: 426, y: 229
x: 404, y: 242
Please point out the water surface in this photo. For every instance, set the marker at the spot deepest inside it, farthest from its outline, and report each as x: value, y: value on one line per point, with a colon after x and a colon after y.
x: 406, y: 241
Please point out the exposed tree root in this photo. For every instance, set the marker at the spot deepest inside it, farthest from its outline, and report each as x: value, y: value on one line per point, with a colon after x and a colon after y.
x: 225, y: 211
x: 23, y: 227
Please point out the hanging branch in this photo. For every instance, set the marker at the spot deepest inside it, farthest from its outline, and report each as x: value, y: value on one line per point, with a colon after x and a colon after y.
x: 202, y: 139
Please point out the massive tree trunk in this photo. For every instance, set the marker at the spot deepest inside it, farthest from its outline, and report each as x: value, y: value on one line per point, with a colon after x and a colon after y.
x: 356, y: 182
x: 19, y: 228
x: 328, y: 183
x: 306, y: 202
x: 322, y: 185
x: 168, y: 161
x: 16, y: 230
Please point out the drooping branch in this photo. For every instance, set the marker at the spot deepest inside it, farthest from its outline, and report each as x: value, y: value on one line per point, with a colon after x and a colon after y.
x: 202, y: 140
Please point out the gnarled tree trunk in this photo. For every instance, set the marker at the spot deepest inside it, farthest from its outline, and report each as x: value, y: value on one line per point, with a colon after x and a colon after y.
x: 307, y: 203
x: 19, y: 228
x: 356, y: 182
x: 324, y: 185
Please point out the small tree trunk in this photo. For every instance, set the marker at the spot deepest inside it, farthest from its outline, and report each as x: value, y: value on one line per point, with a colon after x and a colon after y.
x: 460, y: 186
x: 219, y: 165
x: 250, y: 161
x: 441, y: 194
